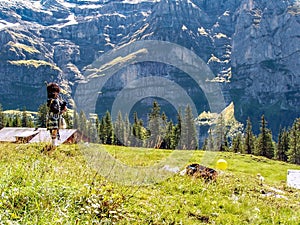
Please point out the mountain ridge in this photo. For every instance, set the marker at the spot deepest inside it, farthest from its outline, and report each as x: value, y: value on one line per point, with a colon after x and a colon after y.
x: 252, y: 47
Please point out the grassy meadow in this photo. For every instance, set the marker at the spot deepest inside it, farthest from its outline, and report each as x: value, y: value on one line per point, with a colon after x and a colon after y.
x: 61, y: 187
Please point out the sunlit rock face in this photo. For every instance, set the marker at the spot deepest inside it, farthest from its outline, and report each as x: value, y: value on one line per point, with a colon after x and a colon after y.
x: 251, y: 46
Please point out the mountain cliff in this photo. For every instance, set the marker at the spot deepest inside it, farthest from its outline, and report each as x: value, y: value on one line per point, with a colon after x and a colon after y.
x: 251, y: 46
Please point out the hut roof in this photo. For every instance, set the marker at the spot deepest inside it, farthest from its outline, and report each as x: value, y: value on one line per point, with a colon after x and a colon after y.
x: 9, y: 134
x: 44, y: 135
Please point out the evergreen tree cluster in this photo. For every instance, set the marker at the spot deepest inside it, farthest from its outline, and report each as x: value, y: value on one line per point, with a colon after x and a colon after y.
x: 286, y: 149
x: 161, y: 133
x: 17, y: 119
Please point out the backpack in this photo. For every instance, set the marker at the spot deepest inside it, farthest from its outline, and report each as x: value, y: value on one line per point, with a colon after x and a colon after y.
x: 52, y: 102
x: 53, y: 105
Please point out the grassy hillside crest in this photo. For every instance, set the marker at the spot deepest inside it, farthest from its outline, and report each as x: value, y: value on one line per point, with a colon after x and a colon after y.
x: 59, y: 187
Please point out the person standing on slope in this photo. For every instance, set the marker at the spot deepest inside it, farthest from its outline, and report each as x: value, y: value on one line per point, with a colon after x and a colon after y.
x: 56, y: 107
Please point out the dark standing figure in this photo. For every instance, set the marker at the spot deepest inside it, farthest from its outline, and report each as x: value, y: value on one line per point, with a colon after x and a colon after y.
x: 56, y: 107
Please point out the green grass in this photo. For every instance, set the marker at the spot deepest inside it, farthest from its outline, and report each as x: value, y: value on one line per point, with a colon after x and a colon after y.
x: 59, y: 187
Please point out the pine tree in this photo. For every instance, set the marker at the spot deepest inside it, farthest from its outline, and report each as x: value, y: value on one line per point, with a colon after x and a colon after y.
x: 17, y: 122
x: 264, y: 146
x: 154, y: 127
x: 97, y: 124
x: 220, y: 133
x: 9, y: 122
x: 282, y: 146
x: 138, y: 132
x: 191, y: 141
x: 109, y: 131
x: 76, y: 122
x: 205, y: 144
x: 127, y: 131
x: 102, y: 131
x: 25, y: 119
x: 135, y: 129
x: 92, y: 132
x: 294, y: 143
x: 68, y: 120
x: 83, y: 126
x: 119, y: 130
x: 226, y: 142
x: 42, y: 116
x: 169, y: 138
x: 163, y: 131
x: 30, y: 122
x: 177, y: 131
x: 248, y: 147
x: 173, y: 136
x: 142, y: 132
x: 2, y: 118
x: 210, y: 140
x: 237, y: 143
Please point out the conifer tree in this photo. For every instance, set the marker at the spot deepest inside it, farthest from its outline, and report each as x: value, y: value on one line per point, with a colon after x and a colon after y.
x: 210, y: 140
x: 127, y: 131
x: 24, y: 119
x: 294, y: 143
x: 205, y: 144
x: 9, y: 122
x: 237, y: 143
x: 102, y: 131
x: 92, y: 132
x: 68, y: 120
x: 138, y: 132
x: 76, y: 122
x: 142, y: 132
x: 83, y: 126
x: 97, y: 123
x: 191, y: 140
x: 165, y: 132
x: 17, y: 122
x: 42, y: 116
x: 226, y: 142
x: 173, y: 138
x: 169, y: 138
x: 2, y: 118
x: 264, y: 146
x: 109, y: 132
x: 154, y: 127
x: 282, y: 146
x: 183, y: 135
x: 178, y: 130
x: 164, y: 121
x: 135, y: 130
x: 220, y: 134
x: 119, y: 130
x: 248, y: 147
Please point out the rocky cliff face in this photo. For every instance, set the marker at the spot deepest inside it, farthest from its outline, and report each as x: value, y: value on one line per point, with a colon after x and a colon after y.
x: 252, y: 47
x: 265, y: 59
